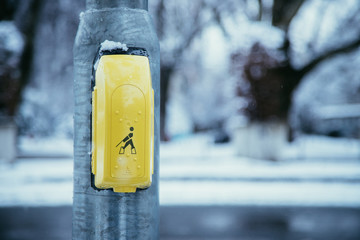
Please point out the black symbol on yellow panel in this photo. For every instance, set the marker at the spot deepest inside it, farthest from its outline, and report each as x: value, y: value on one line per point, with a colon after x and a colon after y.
x: 127, y: 141
x: 128, y: 171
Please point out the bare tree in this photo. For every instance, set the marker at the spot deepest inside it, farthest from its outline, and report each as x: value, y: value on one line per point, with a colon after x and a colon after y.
x: 15, y: 77
x: 271, y: 87
x: 178, y: 25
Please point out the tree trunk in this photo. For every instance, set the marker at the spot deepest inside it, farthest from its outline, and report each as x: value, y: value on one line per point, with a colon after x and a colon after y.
x: 166, y: 72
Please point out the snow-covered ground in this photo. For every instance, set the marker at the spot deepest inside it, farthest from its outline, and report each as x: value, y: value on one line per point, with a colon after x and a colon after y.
x: 54, y: 147
x: 318, y: 171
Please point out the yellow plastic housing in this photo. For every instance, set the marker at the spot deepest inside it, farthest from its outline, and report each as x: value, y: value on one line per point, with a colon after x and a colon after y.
x: 122, y: 123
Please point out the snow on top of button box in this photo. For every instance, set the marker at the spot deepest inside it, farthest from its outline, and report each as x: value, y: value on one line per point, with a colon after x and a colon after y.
x: 111, y: 45
x: 108, y: 46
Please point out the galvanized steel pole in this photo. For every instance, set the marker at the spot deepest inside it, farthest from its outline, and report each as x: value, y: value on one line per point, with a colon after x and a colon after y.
x: 106, y: 214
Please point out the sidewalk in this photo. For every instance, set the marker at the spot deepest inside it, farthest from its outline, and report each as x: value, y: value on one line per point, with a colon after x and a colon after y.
x: 194, y: 171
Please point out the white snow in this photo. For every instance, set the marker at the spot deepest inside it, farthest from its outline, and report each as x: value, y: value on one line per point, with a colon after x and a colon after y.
x: 321, y: 25
x: 338, y: 111
x: 309, y: 148
x: 48, y: 95
x: 11, y: 38
x: 30, y: 147
x: 111, y: 45
x: 108, y: 46
x: 328, y: 93
x: 45, y: 182
x: 96, y: 64
x: 253, y: 193
x: 237, y: 168
x: 244, y: 33
x: 193, y: 171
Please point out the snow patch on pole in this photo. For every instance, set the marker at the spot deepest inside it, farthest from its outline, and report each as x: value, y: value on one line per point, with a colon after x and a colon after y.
x: 108, y: 45
x: 111, y: 45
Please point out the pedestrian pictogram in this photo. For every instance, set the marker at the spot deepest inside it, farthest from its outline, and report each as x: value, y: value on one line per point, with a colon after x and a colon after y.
x: 127, y: 141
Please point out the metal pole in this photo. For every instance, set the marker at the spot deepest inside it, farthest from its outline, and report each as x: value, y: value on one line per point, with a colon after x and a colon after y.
x: 106, y: 214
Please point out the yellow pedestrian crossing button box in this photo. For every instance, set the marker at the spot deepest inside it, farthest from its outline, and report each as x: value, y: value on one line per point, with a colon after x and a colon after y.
x: 122, y: 123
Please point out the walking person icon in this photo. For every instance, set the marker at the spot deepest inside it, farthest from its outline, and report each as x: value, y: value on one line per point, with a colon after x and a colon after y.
x: 127, y: 141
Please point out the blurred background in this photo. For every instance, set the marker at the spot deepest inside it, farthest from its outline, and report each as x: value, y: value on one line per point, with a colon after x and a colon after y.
x: 260, y: 118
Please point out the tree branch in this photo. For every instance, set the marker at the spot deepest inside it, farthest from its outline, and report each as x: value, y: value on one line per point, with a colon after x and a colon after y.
x: 327, y: 55
x: 284, y: 11
x: 188, y: 39
x: 260, y: 12
x: 160, y: 18
x: 218, y: 20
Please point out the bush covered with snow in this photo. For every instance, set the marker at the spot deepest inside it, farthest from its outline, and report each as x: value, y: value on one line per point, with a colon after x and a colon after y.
x: 334, y: 87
